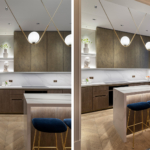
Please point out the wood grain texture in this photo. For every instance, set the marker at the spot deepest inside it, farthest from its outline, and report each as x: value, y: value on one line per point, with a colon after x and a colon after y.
x: 147, y: 2
x: 67, y: 91
x: 55, y: 52
x: 22, y: 53
x: 104, y: 48
x: 55, y: 91
x: 134, y: 56
x: 87, y: 99
x: 67, y: 54
x: 39, y: 55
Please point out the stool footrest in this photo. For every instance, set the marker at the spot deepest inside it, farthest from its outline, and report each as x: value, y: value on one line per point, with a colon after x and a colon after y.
x: 44, y: 147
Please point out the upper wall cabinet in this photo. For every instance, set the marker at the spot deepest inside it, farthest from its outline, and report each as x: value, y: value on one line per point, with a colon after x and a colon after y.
x: 50, y: 55
x: 111, y: 54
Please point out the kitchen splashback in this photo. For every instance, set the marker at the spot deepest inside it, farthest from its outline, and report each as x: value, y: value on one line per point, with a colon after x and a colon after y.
x: 114, y: 75
x: 37, y: 79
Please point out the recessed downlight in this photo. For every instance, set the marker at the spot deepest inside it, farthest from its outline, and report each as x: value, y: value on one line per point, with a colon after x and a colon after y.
x: 94, y: 19
x: 147, y: 30
x: 37, y: 23
x: 6, y: 8
x: 9, y: 23
x: 121, y: 25
x: 95, y: 6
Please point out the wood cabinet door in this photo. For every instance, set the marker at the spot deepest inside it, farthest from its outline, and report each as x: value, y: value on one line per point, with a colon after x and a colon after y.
x: 55, y: 91
x: 87, y: 98
x: 5, y: 101
x: 68, y: 91
x: 100, y: 102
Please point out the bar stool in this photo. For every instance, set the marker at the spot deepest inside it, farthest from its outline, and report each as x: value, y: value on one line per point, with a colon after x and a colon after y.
x: 49, y: 125
x: 148, y: 119
x: 140, y: 106
x: 68, y: 123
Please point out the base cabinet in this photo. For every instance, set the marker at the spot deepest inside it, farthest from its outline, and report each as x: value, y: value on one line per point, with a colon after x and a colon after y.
x: 87, y: 103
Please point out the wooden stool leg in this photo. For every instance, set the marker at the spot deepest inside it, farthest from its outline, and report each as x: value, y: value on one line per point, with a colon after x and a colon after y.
x: 56, y: 140
x: 142, y: 119
x: 34, y: 139
x: 134, y: 127
x: 128, y: 120
x: 66, y: 138
x: 62, y: 141
x: 39, y: 140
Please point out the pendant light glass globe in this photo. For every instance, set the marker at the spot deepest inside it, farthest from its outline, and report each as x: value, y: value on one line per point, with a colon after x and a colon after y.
x: 148, y: 46
x: 68, y: 39
x: 33, y: 37
x: 125, y: 41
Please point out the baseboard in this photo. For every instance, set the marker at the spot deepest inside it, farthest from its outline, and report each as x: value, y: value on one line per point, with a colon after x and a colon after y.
x: 77, y: 145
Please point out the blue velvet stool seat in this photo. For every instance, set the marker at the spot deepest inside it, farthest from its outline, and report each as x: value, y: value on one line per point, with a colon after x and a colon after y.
x: 140, y: 106
x: 68, y: 123
x: 48, y: 125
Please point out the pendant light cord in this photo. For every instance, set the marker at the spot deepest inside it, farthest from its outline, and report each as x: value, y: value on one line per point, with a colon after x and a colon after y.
x: 55, y: 25
x: 115, y: 30
x: 45, y: 28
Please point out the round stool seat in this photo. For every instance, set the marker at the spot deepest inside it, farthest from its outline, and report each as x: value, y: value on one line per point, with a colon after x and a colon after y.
x: 148, y: 102
x: 50, y: 125
x: 139, y: 106
x: 68, y: 122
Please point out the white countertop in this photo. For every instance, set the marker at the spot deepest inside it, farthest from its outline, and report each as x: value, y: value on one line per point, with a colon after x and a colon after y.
x: 113, y: 83
x: 134, y: 89
x: 35, y: 87
x: 48, y: 99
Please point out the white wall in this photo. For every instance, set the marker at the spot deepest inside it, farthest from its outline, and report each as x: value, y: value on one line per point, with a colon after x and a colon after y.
x: 37, y: 79
x: 102, y: 75
x: 90, y: 34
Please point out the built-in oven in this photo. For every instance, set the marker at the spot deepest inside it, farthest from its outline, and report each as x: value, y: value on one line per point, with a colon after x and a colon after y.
x: 111, y: 93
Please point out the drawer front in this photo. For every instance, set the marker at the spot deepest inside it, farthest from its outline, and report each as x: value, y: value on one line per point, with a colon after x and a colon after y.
x: 67, y: 91
x: 16, y: 91
x: 101, y: 102
x: 55, y: 91
x: 100, y: 93
x: 16, y: 103
x: 98, y: 89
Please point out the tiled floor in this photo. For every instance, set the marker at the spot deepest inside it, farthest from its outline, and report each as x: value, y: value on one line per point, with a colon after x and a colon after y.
x: 11, y: 132
x: 98, y: 133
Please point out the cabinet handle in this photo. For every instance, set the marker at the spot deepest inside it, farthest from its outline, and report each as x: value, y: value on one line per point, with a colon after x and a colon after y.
x: 17, y: 99
x: 100, y: 96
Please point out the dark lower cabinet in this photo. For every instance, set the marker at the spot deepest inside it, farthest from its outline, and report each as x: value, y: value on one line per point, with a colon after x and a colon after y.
x: 100, y: 102
x: 55, y: 91
x: 87, y: 99
x: 5, y: 101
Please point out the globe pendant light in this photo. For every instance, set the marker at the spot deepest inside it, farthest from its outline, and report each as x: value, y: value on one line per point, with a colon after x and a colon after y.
x: 68, y: 39
x: 147, y: 46
x: 125, y: 41
x: 33, y: 37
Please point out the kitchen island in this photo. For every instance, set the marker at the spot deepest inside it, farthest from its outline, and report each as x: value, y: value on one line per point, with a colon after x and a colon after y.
x: 45, y: 106
x: 121, y: 98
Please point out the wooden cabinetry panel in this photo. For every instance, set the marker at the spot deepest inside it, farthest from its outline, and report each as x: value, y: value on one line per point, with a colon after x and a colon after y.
x: 55, y: 91
x: 67, y: 91
x: 104, y: 51
x: 67, y: 54
x: 87, y: 99
x: 100, y: 102
x: 55, y: 52
x: 100, y: 90
x: 39, y: 55
x: 5, y: 101
x: 22, y: 50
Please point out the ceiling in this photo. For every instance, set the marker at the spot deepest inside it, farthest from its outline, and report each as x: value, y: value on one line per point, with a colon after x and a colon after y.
x: 118, y: 13
x: 31, y: 12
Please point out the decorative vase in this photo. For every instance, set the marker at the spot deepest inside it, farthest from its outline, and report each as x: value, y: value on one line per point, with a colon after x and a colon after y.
x: 6, y: 65
x: 5, y: 54
x: 86, y: 49
x: 86, y: 62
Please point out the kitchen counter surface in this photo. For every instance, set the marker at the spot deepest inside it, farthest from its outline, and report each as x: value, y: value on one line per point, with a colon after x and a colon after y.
x: 48, y: 99
x: 133, y: 89
x: 35, y: 87
x: 113, y: 83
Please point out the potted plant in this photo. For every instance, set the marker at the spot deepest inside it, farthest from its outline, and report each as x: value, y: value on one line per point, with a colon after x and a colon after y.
x: 5, y: 47
x: 86, y: 41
